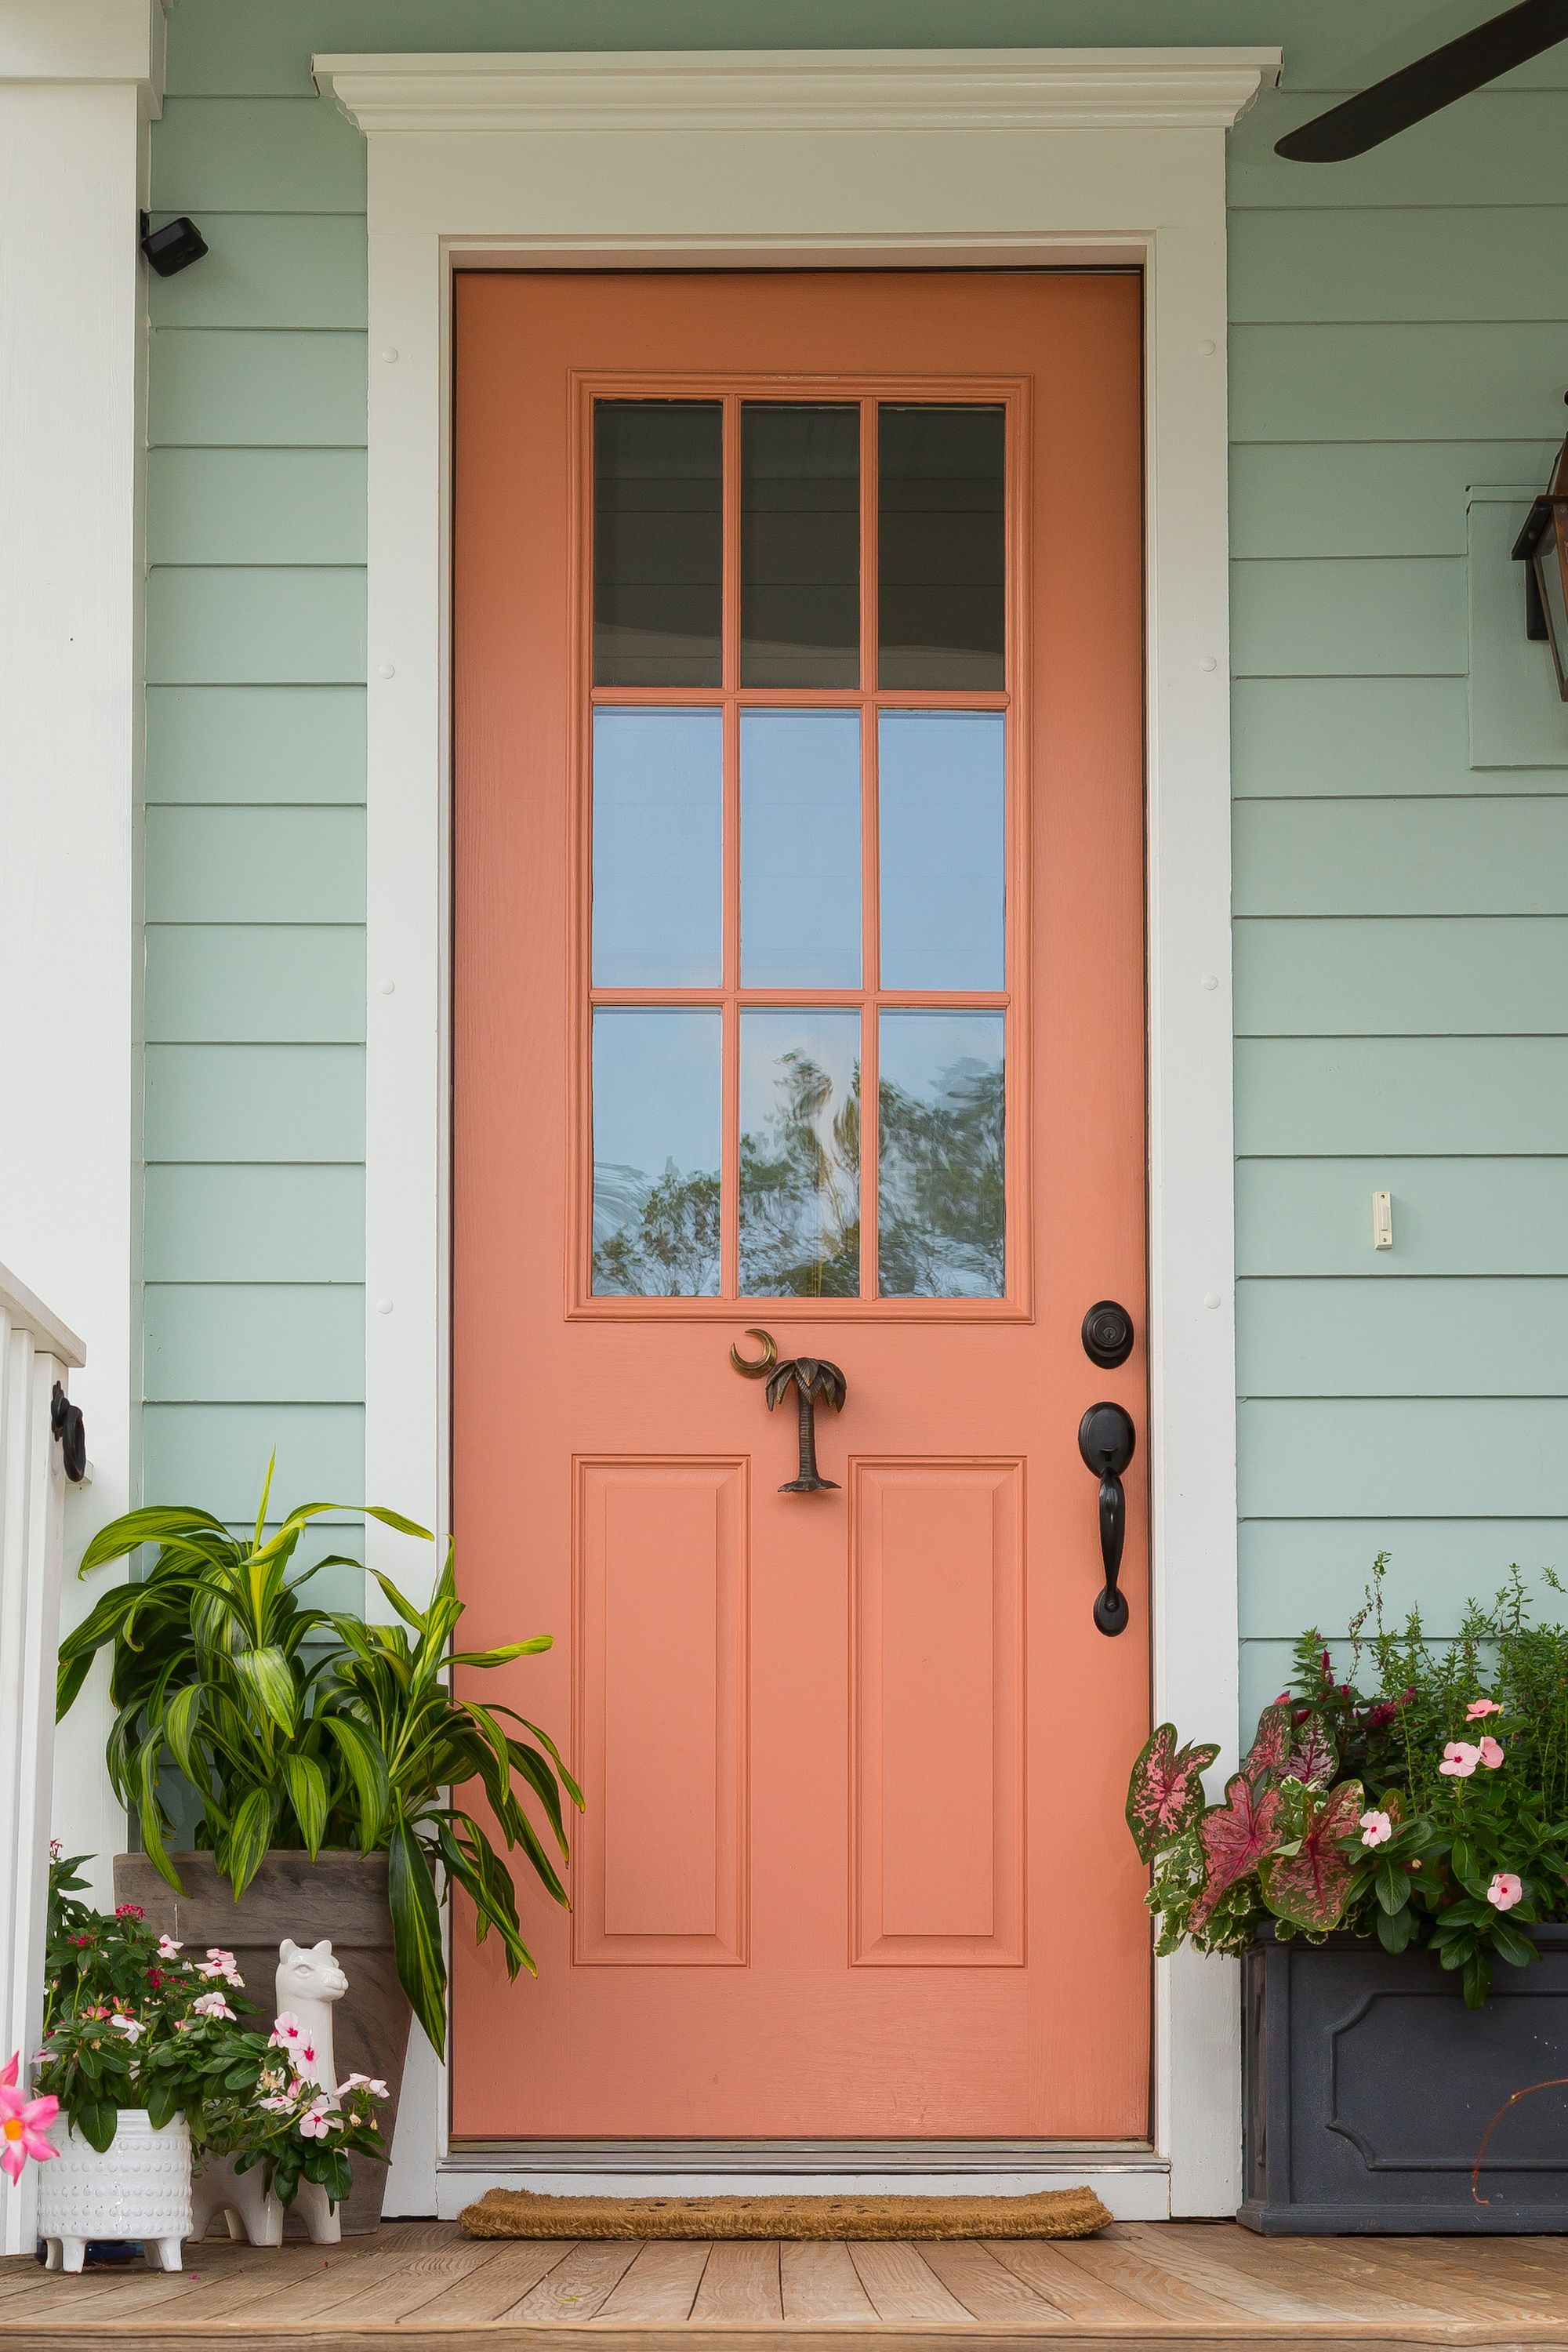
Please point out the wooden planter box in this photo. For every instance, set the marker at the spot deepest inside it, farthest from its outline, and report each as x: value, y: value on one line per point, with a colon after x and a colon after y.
x: 1370, y: 2086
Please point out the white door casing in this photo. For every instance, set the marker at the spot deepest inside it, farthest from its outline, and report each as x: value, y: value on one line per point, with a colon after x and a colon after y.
x: 821, y: 159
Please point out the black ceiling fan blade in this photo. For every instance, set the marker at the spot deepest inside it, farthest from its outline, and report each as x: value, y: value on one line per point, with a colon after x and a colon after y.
x: 1431, y: 83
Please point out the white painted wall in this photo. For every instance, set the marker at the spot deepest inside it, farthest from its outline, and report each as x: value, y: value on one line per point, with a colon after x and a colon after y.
x: 77, y: 81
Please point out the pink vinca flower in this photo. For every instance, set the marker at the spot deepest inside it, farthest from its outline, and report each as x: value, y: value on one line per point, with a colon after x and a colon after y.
x: 1504, y: 1891
x: 212, y: 2004
x: 1479, y: 1707
x: 1376, y: 1829
x: 1490, y: 1753
x: 131, y: 2026
x: 1459, y: 1760
x: 22, y: 2122
x: 285, y: 2032
x: 370, y: 2083
x: 316, y: 2122
x: 167, y: 1948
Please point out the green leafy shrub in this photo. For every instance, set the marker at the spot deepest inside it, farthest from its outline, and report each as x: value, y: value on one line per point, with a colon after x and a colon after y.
x: 298, y: 1728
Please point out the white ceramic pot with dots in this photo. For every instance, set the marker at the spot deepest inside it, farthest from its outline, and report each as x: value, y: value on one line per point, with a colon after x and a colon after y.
x: 137, y: 2188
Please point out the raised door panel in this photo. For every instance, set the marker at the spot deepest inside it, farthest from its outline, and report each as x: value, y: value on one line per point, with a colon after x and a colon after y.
x: 938, y: 1706
x: 660, y: 1569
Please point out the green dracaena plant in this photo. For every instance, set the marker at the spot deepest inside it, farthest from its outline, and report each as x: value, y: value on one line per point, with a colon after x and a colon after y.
x: 298, y: 1727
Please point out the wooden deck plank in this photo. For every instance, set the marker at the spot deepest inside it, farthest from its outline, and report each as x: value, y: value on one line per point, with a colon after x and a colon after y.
x: 1119, y: 2262
x: 1062, y: 2284
x: 1343, y: 2282
x: 512, y: 2267
x: 986, y: 2289
x: 111, y: 2293
x: 740, y: 2281
x: 1509, y: 2290
x: 661, y: 2284
x: 901, y: 2285
x: 1209, y: 2267
x: 576, y: 2287
x: 418, y: 2287
x: 819, y: 2282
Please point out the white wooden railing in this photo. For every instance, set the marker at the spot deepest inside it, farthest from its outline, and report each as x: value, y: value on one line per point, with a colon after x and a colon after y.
x: 35, y: 1351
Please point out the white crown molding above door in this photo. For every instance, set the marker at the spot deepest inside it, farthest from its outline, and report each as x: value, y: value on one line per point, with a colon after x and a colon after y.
x: 892, y: 160
x: 822, y: 90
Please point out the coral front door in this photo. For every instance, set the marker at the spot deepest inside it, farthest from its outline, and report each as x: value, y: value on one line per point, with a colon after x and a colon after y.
x: 798, y: 959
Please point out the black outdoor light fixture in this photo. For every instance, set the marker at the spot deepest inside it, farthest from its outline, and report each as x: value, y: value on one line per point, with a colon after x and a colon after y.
x: 174, y: 246
x: 1542, y: 545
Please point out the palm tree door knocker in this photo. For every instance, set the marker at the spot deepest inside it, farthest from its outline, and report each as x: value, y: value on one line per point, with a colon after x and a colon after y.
x: 813, y: 1378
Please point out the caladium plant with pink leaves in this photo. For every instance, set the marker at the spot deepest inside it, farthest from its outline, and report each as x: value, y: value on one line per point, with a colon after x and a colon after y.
x: 1427, y: 1813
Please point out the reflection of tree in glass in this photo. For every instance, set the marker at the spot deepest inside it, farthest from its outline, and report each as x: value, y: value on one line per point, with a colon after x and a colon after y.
x: 943, y: 1217
x: 800, y: 1189
x: 657, y: 1240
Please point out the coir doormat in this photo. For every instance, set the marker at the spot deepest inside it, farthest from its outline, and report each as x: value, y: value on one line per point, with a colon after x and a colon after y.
x: 524, y: 2213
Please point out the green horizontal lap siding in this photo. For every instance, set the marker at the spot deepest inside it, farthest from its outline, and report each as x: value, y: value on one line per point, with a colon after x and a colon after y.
x: 1474, y: 1337
x: 1496, y: 856
x: 266, y: 1342
x: 253, y: 983
x: 219, y: 624
x: 255, y: 744
x: 208, y: 1222
x: 1368, y: 976
x: 256, y: 390
x: 1452, y: 1216
x: 1491, y: 262
x: 256, y: 1103
x: 1397, y: 336
x: 266, y: 505
x: 256, y: 864
x: 1326, y: 738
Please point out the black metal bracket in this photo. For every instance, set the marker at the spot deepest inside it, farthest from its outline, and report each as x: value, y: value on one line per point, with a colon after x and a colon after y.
x: 1106, y: 1440
x: 65, y: 1421
x: 1525, y: 548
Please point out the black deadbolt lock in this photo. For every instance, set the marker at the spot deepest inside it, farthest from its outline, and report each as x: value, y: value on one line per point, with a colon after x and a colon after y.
x: 1108, y: 1334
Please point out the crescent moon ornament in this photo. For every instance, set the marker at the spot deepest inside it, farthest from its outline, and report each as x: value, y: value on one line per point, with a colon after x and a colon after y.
x: 753, y: 1367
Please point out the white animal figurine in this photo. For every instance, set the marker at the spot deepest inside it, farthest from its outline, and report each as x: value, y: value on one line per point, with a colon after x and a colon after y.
x: 307, y: 1984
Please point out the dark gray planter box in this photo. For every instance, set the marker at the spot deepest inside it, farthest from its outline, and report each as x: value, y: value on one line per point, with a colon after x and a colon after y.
x: 1370, y: 2086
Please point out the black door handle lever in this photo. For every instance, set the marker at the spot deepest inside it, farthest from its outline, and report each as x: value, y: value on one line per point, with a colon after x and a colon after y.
x: 1106, y: 1439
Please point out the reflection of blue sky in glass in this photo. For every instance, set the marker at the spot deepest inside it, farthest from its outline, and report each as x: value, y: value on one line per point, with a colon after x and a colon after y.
x: 941, y: 1226
x: 658, y: 848
x: 941, y: 814
x: 800, y: 849
x: 800, y: 1154
x: 655, y: 1153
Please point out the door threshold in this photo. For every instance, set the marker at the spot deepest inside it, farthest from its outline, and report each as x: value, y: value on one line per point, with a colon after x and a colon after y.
x: 1131, y: 2179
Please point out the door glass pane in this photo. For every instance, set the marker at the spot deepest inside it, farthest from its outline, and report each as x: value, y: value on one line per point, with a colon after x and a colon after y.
x: 655, y: 1153
x: 659, y: 819
x: 800, y: 1155
x: 943, y: 1226
x: 941, y: 811
x: 800, y: 546
x: 800, y: 849
x: 941, y: 595
x: 658, y: 541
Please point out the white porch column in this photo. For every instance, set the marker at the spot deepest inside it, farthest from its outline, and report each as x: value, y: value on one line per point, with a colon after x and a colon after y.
x: 35, y: 1351
x: 78, y: 80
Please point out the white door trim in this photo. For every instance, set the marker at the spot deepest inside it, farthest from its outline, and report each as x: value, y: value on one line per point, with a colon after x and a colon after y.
x: 878, y: 158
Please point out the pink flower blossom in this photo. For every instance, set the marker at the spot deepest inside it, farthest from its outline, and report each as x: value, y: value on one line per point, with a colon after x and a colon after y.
x: 1491, y: 1754
x: 370, y: 2083
x: 129, y: 1911
x: 56, y: 1851
x: 1479, y: 1707
x: 221, y: 1964
x: 22, y: 2122
x: 212, y: 2004
x: 316, y: 2120
x: 286, y: 2030
x: 167, y: 1948
x: 131, y: 2026
x: 1459, y: 1760
x: 1504, y: 1891
x: 1376, y: 1829
x: 277, y: 2105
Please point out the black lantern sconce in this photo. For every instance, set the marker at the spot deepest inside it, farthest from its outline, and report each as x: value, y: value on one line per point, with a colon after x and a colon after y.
x: 1542, y: 545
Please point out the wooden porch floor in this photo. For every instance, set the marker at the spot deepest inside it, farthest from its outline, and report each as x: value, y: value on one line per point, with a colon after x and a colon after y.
x: 1142, y: 2284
